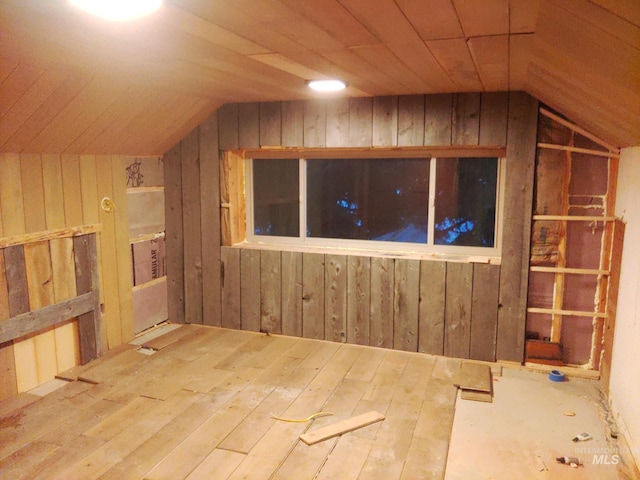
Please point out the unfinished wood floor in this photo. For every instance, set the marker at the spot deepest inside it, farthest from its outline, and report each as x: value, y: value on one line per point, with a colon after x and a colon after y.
x: 200, y: 408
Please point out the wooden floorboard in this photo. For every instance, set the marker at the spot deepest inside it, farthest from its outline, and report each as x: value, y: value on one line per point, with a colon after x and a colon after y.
x: 202, y: 406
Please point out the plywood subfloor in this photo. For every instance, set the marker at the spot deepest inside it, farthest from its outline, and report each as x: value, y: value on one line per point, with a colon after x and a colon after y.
x: 200, y: 408
x: 526, y: 428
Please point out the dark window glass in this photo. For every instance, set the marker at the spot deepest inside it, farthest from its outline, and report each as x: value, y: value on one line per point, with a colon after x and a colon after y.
x: 276, y: 194
x: 368, y: 199
x: 465, y: 209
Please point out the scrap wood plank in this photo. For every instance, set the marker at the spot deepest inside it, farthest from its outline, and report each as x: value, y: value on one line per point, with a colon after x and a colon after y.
x: 341, y: 427
x: 474, y: 376
x: 476, y: 395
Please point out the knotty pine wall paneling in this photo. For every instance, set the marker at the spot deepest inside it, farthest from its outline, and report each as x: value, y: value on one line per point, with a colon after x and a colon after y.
x: 41, y: 192
x: 384, y: 305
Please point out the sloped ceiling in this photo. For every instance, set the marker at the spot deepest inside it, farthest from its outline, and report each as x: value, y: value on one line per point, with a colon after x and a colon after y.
x: 74, y: 84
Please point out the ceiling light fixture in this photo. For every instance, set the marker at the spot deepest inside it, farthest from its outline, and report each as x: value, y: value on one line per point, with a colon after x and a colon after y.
x: 118, y: 10
x: 326, y: 85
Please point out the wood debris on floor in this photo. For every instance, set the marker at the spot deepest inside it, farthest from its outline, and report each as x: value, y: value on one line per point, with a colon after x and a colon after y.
x: 344, y: 426
x: 475, y: 382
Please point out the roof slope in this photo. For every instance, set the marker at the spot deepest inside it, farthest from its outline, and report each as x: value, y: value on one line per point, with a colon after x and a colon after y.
x: 74, y: 84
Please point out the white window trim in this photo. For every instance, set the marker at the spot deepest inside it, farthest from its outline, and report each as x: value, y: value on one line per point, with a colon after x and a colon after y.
x: 397, y: 248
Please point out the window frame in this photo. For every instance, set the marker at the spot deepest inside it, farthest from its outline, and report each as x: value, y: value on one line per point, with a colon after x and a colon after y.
x: 430, y: 249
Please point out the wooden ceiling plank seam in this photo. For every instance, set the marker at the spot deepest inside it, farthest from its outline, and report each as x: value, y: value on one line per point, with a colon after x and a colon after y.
x: 454, y: 57
x: 28, y: 103
x: 519, y: 57
x: 164, y: 127
x: 419, y: 59
x: 99, y: 125
x: 331, y: 16
x: 136, y: 132
x: 523, y: 16
x: 94, y: 120
x: 196, y: 25
x: 50, y: 109
x: 318, y: 64
x: 166, y: 131
x: 241, y: 24
x: 200, y: 116
x: 483, y: 17
x: 357, y: 72
x: 433, y: 20
x: 17, y: 84
x: 392, y: 65
x: 625, y: 9
x: 77, y: 115
x: 384, y: 19
x: 491, y: 57
x: 7, y: 66
x: 124, y: 124
x: 207, y: 59
x: 271, y: 14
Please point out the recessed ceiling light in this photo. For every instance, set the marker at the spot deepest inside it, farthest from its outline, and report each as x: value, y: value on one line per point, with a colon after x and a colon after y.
x: 326, y: 85
x: 118, y: 10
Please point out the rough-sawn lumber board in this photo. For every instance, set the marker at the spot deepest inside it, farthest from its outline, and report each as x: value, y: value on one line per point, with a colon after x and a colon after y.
x: 341, y: 427
x: 474, y: 376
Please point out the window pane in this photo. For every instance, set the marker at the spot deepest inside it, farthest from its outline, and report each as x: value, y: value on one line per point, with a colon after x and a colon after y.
x: 465, y: 211
x: 368, y: 199
x: 276, y: 198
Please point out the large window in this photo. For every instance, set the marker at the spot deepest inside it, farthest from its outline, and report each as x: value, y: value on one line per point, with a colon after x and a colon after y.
x: 402, y: 204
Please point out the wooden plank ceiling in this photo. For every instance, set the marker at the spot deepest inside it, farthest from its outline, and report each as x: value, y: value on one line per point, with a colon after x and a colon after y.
x: 70, y: 83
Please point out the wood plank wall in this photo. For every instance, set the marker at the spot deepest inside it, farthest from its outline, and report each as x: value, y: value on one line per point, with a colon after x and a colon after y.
x: 442, y: 308
x: 44, y: 192
x: 307, y: 286
x: 192, y: 210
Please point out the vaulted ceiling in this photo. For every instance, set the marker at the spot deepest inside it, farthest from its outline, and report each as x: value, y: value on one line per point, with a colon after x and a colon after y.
x: 71, y: 83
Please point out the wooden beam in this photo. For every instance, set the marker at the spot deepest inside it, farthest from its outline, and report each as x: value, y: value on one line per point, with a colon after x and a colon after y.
x: 569, y: 313
x: 88, y: 280
x: 49, y: 235
x: 377, y: 152
x: 558, y: 282
x: 32, y: 322
x: 587, y: 151
x: 574, y: 218
x: 577, y: 129
x: 576, y: 271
